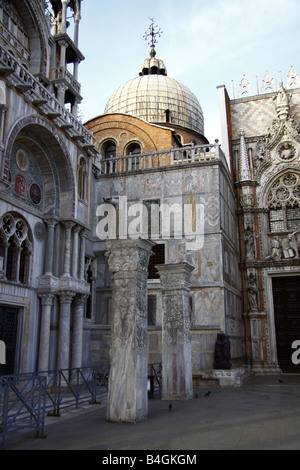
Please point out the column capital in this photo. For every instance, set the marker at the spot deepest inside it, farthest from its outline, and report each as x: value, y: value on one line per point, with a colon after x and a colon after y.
x: 80, y: 299
x: 46, y: 299
x: 68, y: 224
x: 77, y: 228
x: 128, y: 255
x: 175, y: 276
x: 66, y: 297
x: 51, y: 222
x: 83, y: 232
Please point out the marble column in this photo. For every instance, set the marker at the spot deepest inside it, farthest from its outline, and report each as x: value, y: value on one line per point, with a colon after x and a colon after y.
x: 64, y: 16
x: 127, y: 392
x: 82, y: 255
x: 177, y: 381
x: 77, y: 334
x: 76, y: 231
x: 67, y: 254
x: 63, y: 353
x: 49, y: 252
x: 46, y: 300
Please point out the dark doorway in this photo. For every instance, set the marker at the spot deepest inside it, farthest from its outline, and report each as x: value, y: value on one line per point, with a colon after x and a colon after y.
x: 8, y: 334
x: 286, y: 295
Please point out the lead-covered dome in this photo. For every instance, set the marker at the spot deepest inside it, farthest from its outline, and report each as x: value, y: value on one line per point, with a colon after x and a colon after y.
x: 157, y: 98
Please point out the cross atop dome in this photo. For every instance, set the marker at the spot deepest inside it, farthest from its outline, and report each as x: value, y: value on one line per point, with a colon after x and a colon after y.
x: 154, y: 32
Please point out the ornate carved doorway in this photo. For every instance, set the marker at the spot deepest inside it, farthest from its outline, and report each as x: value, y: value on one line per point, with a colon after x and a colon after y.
x: 286, y: 295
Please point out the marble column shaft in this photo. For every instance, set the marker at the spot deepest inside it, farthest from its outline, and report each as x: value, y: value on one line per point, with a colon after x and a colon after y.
x: 82, y: 255
x: 75, y: 251
x: 47, y: 301
x: 67, y: 255
x: 63, y: 353
x: 176, y: 335
x: 77, y: 335
x: 49, y: 254
x: 127, y: 392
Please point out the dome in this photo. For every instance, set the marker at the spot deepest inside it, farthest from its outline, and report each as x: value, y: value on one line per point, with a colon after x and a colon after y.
x: 157, y: 98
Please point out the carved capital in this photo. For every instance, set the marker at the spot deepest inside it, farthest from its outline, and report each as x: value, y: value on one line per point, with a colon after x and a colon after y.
x: 175, y: 276
x: 46, y: 299
x: 128, y: 255
x: 66, y: 297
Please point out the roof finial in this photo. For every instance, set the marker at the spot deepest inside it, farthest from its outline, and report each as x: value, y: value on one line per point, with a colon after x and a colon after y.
x: 152, y: 34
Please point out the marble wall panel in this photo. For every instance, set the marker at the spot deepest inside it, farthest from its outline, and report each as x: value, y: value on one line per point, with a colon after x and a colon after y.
x: 209, y: 307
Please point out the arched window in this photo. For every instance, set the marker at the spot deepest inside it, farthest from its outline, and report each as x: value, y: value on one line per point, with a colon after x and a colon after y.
x: 284, y: 203
x: 15, y: 248
x: 134, y: 149
x: 109, y: 149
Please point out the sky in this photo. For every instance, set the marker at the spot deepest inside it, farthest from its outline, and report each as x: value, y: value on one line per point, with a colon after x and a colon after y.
x: 204, y: 44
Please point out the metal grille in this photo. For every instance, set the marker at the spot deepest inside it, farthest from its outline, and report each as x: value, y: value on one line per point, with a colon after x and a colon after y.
x: 8, y: 334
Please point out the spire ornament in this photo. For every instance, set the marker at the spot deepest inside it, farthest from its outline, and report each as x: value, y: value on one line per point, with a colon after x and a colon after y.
x: 153, y: 33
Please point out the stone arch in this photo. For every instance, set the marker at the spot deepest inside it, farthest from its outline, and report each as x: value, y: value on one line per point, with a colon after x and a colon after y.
x: 37, y: 27
x: 52, y: 157
x: 272, y: 179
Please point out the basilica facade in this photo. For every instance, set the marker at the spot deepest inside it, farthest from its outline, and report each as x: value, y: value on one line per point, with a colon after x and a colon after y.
x: 142, y: 168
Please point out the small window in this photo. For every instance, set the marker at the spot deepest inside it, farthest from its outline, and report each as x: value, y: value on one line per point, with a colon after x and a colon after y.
x: 157, y: 258
x: 109, y: 150
x: 151, y: 310
x: 133, y: 149
x: 293, y: 218
x: 276, y: 220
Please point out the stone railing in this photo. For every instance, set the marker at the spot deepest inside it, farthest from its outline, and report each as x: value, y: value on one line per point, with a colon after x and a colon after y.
x: 38, y: 94
x: 63, y: 73
x: 172, y: 158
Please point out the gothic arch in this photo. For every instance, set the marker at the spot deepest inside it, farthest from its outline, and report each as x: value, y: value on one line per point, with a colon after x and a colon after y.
x: 50, y: 152
x: 272, y: 179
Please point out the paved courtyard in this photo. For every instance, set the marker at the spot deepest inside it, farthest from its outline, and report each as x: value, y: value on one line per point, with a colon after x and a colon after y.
x: 263, y: 414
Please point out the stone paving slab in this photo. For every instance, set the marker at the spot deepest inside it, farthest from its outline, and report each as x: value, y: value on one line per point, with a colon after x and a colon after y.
x: 264, y: 414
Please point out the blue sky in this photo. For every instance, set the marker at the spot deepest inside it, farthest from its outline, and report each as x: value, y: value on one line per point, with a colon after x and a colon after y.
x: 205, y: 43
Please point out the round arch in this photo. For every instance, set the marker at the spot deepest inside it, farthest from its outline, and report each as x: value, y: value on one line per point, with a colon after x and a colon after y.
x: 38, y: 29
x: 45, y: 143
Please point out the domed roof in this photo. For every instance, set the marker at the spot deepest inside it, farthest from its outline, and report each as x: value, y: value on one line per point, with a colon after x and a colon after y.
x: 157, y: 98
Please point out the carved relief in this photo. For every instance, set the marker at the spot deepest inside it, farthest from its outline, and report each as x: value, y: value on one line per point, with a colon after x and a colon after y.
x: 261, y: 156
x: 252, y: 291
x: 286, y: 151
x: 284, y: 247
x: 249, y: 237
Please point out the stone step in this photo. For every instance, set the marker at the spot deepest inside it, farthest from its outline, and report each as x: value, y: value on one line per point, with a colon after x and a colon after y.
x: 200, y: 380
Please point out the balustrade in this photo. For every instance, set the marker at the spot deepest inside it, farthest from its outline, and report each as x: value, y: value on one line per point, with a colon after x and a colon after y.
x: 199, y: 154
x: 38, y: 94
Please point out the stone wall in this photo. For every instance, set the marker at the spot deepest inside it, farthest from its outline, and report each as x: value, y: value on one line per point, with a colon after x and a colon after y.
x: 215, y: 288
